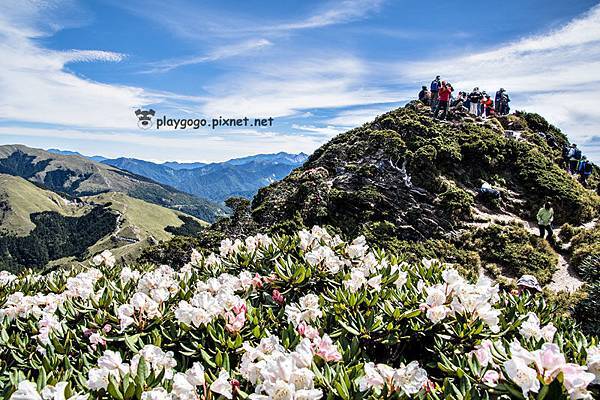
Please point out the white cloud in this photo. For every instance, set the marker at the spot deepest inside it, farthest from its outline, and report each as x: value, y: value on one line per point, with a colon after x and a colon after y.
x: 36, y: 87
x: 358, y: 116
x: 290, y: 88
x: 217, y: 54
x: 334, y: 13
x: 326, y: 131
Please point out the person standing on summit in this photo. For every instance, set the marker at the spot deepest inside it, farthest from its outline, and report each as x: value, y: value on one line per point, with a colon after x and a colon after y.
x: 434, y: 89
x: 474, y: 99
x: 443, y: 99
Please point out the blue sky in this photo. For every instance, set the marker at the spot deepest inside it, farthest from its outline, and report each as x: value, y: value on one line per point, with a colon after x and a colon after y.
x: 72, y: 72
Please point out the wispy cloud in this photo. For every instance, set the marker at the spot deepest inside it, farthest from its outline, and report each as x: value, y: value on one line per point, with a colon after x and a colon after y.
x: 217, y: 54
x: 198, y: 21
x: 296, y: 86
x: 331, y: 14
x: 36, y: 87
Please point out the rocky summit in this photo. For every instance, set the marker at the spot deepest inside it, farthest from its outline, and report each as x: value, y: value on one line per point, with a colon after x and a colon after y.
x: 418, y: 178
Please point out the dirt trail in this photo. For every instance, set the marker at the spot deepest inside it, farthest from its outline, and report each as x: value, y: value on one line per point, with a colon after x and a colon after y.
x: 565, y: 278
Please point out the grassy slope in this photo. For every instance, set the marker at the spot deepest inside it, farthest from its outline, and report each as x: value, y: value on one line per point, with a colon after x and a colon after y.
x: 88, y: 177
x: 140, y: 220
x: 24, y: 199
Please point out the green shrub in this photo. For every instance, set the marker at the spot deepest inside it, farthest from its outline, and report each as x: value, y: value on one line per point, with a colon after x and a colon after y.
x: 515, y: 250
x: 586, y: 243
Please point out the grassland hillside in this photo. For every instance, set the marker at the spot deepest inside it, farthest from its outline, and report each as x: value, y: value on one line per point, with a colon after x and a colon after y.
x: 78, y: 176
x: 41, y: 227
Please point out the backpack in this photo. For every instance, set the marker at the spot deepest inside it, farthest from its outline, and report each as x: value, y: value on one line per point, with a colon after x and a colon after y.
x: 577, y: 154
x: 587, y: 169
x: 435, y: 86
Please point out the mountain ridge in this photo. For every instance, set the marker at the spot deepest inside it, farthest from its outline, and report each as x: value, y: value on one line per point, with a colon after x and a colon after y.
x: 218, y: 181
x: 79, y: 176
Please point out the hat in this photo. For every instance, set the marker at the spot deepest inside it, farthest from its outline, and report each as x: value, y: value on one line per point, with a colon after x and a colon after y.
x: 423, y: 87
x: 573, y: 145
x: 529, y: 281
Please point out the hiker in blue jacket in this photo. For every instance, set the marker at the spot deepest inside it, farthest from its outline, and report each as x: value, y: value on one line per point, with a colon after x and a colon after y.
x: 585, y: 170
x: 574, y: 157
x: 434, y: 89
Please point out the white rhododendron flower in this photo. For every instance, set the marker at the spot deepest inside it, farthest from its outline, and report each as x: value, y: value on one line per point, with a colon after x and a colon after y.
x: 277, y: 373
x: 372, y: 378
x: 26, y: 391
x: 409, y: 379
x: 156, y: 394
x: 222, y: 385
x: 6, y: 278
x: 104, y: 258
x: 576, y: 381
x: 307, y: 310
x: 128, y: 275
x: 522, y: 375
x: 593, y: 362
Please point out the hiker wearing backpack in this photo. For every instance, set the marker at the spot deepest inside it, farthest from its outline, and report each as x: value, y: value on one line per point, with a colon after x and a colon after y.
x: 424, y: 95
x: 585, y: 170
x: 474, y: 99
x: 443, y: 100
x: 434, y: 89
x: 545, y: 216
x: 498, y: 101
x: 504, y: 100
x: 574, y: 157
x: 565, y: 156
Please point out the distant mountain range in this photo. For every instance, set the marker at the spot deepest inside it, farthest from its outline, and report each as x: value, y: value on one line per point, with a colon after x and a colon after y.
x: 78, y: 176
x: 215, y: 181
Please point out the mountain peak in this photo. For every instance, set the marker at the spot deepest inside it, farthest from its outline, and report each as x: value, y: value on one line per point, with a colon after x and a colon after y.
x: 418, y: 178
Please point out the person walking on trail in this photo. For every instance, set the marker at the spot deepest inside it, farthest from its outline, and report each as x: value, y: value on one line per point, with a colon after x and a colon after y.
x: 565, y: 156
x: 474, y: 99
x: 443, y: 99
x: 434, y: 89
x: 545, y: 216
x: 574, y: 157
x: 424, y: 95
x: 585, y: 170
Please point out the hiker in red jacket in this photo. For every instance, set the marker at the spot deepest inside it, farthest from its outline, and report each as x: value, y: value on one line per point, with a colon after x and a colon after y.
x: 443, y: 99
x: 488, y: 106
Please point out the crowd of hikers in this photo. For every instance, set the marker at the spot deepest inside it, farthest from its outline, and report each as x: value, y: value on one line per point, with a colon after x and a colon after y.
x: 576, y: 163
x: 440, y: 98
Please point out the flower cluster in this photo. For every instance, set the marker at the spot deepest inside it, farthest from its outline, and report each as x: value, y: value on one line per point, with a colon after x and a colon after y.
x: 301, y: 317
x: 528, y: 368
x: 216, y: 297
x: 409, y: 379
x: 105, y: 258
x: 456, y: 295
x: 28, y: 391
x: 111, y: 364
x: 6, y: 278
x: 277, y: 373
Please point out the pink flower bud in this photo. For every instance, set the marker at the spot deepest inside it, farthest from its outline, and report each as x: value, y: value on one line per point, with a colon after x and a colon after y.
x: 277, y: 297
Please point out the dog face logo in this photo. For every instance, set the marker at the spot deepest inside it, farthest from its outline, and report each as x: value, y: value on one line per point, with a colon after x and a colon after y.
x: 145, y: 118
